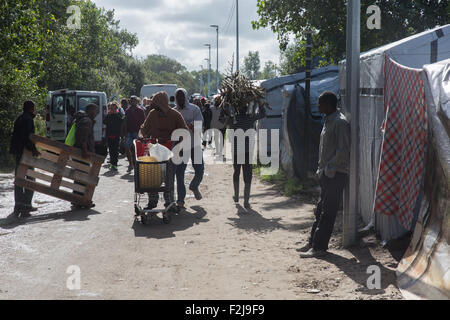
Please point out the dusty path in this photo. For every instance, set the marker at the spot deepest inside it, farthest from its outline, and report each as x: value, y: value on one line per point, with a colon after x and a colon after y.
x: 211, y: 251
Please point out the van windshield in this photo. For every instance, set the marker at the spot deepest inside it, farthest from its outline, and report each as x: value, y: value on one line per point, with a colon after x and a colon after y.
x: 58, y: 106
x: 83, y: 101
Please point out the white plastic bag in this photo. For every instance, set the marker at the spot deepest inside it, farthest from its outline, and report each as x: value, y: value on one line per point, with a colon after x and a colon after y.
x: 160, y: 152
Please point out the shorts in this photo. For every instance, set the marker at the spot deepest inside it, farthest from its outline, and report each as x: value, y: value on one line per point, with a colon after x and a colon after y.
x: 131, y: 136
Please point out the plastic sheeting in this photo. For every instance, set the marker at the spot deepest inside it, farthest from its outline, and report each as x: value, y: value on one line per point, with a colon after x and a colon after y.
x: 274, y: 96
x: 414, y: 52
x: 424, y: 272
x: 293, y: 120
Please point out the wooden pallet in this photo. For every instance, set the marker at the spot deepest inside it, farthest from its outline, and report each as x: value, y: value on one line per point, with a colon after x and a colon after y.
x: 59, y: 171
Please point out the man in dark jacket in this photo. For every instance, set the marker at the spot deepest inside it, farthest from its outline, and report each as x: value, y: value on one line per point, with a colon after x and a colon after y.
x: 114, y: 125
x: 84, y: 135
x: 23, y: 127
x: 84, y: 129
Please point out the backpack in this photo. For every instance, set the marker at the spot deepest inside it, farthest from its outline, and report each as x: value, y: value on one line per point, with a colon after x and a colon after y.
x: 70, y: 139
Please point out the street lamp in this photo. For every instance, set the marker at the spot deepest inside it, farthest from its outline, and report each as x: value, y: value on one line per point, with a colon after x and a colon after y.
x: 209, y: 64
x: 217, y: 66
x: 209, y: 67
x: 201, y: 80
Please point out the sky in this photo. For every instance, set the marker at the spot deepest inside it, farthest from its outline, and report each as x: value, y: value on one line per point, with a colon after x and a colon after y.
x: 180, y: 28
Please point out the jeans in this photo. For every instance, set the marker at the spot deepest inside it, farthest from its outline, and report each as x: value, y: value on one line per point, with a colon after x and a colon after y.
x: 195, y: 183
x: 153, y: 197
x: 330, y: 198
x: 113, y: 146
x: 22, y: 197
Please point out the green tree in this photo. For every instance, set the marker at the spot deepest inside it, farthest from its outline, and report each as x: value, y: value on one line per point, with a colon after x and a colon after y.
x: 399, y: 19
x: 252, y: 65
x: 270, y: 70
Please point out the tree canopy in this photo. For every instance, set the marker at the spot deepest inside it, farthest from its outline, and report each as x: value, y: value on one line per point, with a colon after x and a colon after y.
x: 399, y: 19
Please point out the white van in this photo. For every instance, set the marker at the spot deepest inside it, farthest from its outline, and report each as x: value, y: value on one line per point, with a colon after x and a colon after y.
x: 150, y: 89
x: 63, y: 104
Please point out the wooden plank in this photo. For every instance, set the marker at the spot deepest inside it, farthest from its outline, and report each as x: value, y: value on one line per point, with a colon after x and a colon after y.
x: 73, y: 164
x: 59, y: 170
x: 55, y: 145
x: 63, y: 195
x: 62, y: 161
x: 66, y: 184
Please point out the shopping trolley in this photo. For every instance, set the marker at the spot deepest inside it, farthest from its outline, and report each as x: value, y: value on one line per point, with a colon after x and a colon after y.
x: 152, y: 176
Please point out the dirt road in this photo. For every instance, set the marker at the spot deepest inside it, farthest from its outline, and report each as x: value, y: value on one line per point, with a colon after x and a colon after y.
x: 211, y: 251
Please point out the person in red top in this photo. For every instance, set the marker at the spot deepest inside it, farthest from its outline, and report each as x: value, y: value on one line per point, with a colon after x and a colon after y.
x: 135, y: 117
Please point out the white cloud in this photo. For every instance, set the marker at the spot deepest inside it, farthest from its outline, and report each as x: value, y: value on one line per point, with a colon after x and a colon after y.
x: 180, y: 29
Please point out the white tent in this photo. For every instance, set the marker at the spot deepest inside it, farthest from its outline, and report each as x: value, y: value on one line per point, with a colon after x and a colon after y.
x: 414, y: 52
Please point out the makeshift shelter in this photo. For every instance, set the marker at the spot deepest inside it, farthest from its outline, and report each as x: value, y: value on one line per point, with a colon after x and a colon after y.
x: 274, y: 97
x: 424, y: 271
x: 286, y: 97
x: 293, y: 143
x: 387, y: 82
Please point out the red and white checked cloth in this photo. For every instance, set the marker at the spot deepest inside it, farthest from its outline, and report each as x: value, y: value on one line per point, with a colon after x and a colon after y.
x: 404, y: 144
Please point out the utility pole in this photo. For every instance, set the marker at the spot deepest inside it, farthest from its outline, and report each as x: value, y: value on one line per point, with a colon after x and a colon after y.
x: 209, y: 68
x: 307, y: 101
x: 352, y: 101
x: 208, y: 75
x: 237, y: 35
x: 201, y: 80
x: 217, y: 66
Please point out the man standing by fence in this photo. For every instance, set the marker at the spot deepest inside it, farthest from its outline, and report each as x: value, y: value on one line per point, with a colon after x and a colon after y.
x: 23, y: 127
x: 334, y: 160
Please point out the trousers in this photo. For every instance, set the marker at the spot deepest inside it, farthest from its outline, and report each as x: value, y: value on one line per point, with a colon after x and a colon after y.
x: 331, y: 195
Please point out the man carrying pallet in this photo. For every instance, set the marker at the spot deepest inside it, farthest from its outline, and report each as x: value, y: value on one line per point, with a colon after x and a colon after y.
x: 23, y: 128
x: 84, y: 138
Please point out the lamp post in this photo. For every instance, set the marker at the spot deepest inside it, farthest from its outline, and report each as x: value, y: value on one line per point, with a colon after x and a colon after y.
x: 217, y: 66
x: 209, y: 63
x: 209, y: 68
x: 237, y: 35
x: 201, y: 79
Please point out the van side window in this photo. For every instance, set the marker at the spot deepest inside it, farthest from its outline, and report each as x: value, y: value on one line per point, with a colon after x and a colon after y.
x: 58, y: 106
x: 83, y: 101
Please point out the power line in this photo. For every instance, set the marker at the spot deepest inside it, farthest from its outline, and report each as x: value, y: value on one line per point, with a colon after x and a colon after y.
x: 230, y: 18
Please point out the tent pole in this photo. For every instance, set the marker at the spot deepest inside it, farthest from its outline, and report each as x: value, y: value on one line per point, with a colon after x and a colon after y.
x: 307, y: 101
x: 352, y: 99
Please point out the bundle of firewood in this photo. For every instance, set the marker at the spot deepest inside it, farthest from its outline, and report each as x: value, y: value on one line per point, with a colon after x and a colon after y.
x: 237, y: 94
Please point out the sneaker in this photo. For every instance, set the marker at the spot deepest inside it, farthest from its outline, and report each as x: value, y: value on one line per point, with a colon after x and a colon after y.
x: 24, y: 214
x: 305, y: 248
x: 180, y: 204
x: 113, y: 167
x: 130, y: 168
x: 247, y: 205
x: 311, y: 253
x: 236, y: 199
x: 197, y: 194
x: 30, y: 209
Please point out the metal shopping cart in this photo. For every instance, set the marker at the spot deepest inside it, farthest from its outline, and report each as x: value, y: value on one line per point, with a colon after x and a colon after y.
x: 152, y: 176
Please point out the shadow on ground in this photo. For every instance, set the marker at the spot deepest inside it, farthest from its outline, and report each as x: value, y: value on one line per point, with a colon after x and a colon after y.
x: 12, y: 221
x: 156, y: 229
